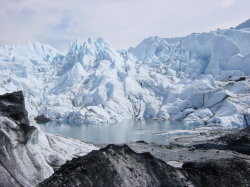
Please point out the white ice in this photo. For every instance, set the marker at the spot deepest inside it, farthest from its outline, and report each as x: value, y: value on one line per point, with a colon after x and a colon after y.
x: 202, y: 78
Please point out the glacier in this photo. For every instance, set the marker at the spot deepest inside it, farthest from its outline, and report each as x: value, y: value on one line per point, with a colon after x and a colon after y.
x: 202, y: 78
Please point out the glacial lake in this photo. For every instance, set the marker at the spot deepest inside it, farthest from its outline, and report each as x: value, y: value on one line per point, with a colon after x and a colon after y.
x: 129, y: 131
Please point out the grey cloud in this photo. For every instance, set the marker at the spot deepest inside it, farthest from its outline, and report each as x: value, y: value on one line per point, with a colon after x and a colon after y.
x: 122, y: 22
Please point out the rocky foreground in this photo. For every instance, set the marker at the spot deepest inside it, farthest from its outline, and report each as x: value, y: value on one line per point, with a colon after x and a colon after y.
x: 29, y: 157
x: 222, y: 161
x: 121, y: 166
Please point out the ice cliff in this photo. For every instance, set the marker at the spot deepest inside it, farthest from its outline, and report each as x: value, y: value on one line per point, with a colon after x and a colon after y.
x: 202, y: 78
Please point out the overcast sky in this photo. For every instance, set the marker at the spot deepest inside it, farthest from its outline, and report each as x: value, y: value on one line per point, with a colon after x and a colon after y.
x: 123, y: 23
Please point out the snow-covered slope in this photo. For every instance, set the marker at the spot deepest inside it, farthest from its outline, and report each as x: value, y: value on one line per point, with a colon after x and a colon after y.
x: 196, y: 54
x: 244, y: 25
x: 201, y: 78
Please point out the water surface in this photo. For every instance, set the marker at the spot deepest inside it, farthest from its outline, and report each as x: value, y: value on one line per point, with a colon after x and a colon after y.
x: 129, y: 131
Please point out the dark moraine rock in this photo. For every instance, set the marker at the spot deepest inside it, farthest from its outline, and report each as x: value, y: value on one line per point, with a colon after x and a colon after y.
x: 115, y: 166
x: 12, y: 105
x: 237, y: 138
x: 120, y: 166
x: 224, y: 172
x: 42, y: 119
x: 238, y: 141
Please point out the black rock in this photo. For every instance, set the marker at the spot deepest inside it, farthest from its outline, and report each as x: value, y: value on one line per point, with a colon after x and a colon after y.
x: 238, y: 141
x: 121, y: 166
x: 114, y: 166
x: 12, y: 105
x: 141, y: 141
x: 218, y: 172
x: 42, y: 119
x: 236, y: 138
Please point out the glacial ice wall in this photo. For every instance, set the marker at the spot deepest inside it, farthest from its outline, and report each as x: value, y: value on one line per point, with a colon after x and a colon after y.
x: 202, y: 78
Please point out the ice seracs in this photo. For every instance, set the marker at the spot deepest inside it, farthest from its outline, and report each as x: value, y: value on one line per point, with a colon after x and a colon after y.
x: 196, y: 54
x: 200, y: 78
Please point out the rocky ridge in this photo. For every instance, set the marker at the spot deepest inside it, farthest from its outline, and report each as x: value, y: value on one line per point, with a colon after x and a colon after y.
x: 29, y: 156
x: 121, y: 166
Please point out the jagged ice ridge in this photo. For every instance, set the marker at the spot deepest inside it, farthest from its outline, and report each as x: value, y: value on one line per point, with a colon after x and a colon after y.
x: 202, y: 78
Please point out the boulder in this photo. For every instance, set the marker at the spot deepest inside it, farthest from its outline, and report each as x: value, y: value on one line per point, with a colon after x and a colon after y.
x: 42, y: 119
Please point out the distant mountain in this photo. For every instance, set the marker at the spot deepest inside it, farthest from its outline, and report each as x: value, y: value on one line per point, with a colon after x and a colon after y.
x: 244, y: 25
